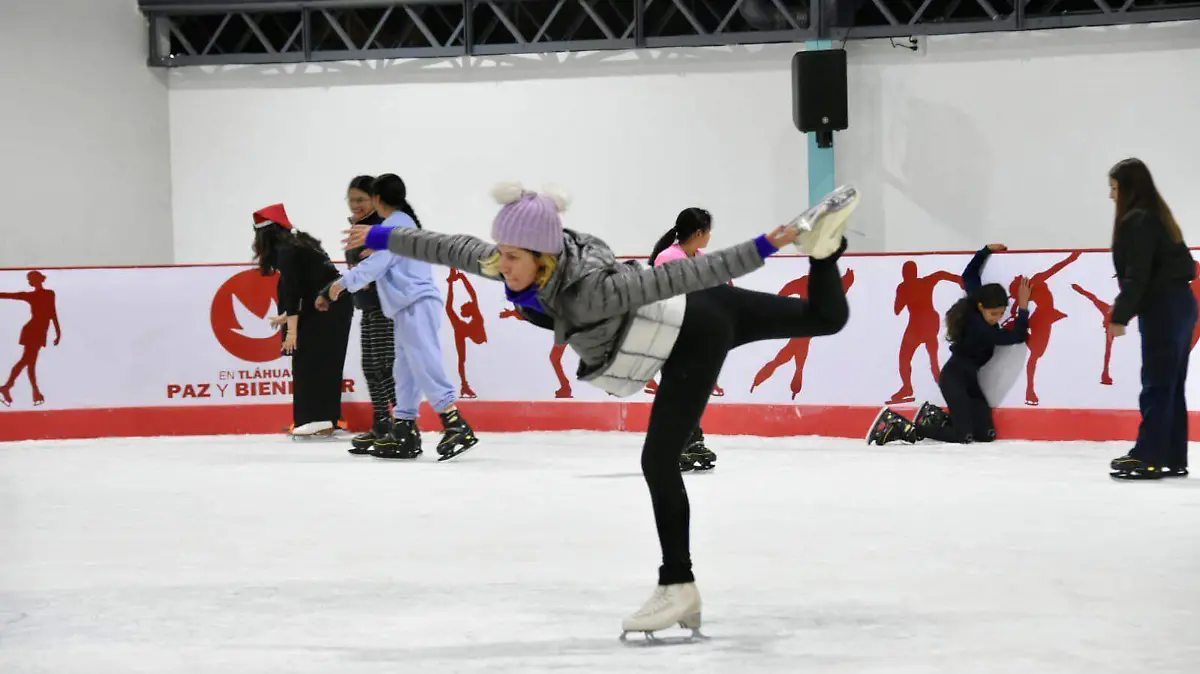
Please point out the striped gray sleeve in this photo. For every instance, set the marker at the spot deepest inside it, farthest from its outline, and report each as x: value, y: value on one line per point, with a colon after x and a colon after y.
x: 459, y: 251
x: 615, y: 294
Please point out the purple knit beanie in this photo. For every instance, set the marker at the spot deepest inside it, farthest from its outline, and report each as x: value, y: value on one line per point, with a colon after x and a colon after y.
x: 529, y: 220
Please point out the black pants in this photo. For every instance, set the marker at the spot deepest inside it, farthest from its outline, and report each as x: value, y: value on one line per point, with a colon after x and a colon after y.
x: 318, y: 361
x: 378, y: 335
x: 718, y: 320
x: 1166, y: 320
x: 970, y: 413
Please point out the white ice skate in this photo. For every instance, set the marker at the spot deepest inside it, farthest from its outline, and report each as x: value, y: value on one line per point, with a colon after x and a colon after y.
x: 312, y: 430
x: 669, y: 605
x: 822, y: 226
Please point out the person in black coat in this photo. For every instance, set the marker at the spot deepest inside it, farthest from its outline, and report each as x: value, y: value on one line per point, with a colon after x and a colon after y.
x: 376, y: 331
x: 973, y: 330
x: 315, y: 340
x: 1155, y: 270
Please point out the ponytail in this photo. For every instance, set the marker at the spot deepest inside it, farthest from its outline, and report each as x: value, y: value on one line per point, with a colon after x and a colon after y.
x: 664, y: 242
x: 391, y: 190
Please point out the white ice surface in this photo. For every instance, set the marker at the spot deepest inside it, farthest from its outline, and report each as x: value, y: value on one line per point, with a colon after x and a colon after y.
x: 262, y: 555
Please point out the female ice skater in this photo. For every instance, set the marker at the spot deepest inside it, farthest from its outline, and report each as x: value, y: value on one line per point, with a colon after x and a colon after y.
x: 973, y: 330
x: 409, y: 297
x: 42, y: 314
x: 316, y: 341
x: 688, y: 238
x: 626, y: 322
x: 376, y: 331
x: 1154, y: 270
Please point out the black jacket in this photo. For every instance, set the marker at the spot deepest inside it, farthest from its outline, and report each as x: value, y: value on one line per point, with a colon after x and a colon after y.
x: 367, y: 298
x: 1147, y: 262
x: 303, y: 272
x: 979, y: 339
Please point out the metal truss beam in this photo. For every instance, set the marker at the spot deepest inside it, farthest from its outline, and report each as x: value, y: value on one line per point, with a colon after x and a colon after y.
x: 222, y: 32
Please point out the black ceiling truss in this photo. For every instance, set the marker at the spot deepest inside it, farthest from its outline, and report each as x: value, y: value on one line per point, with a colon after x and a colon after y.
x: 216, y: 32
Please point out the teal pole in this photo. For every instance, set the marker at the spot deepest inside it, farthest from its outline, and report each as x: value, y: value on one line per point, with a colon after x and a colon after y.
x: 821, y: 180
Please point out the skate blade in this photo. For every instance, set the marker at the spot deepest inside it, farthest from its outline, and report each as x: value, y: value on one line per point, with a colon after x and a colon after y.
x: 458, y: 451
x: 650, y: 639
x: 871, y: 431
x: 1135, y: 477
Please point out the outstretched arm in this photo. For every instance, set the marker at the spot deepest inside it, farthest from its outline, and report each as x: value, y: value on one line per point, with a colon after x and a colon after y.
x: 971, y: 276
x: 605, y: 295
x: 451, y: 250
x: 12, y: 296
x: 939, y: 276
x: 1058, y: 266
x: 367, y: 271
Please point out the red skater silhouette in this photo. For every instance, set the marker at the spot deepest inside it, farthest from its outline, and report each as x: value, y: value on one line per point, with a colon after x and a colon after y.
x: 1041, y: 321
x: 916, y: 294
x: 1105, y: 310
x: 42, y: 314
x: 796, y: 349
x: 467, y: 323
x: 556, y: 355
x: 1196, y: 292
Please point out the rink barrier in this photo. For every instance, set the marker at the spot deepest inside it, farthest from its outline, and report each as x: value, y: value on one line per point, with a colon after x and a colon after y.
x: 191, y: 376
x: 509, y: 417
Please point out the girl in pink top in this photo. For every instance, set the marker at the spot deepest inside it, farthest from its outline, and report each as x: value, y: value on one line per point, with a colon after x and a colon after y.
x: 689, y: 236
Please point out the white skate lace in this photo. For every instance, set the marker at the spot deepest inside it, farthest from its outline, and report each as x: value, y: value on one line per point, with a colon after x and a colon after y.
x: 657, y: 602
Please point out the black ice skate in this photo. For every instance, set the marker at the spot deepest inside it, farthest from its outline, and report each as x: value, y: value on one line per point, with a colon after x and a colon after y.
x: 1129, y: 468
x: 402, y: 442
x: 890, y: 427
x: 457, y: 438
x: 931, y: 415
x: 363, y: 442
x: 698, y: 457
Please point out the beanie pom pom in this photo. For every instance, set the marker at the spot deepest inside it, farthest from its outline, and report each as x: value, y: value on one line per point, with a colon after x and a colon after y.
x: 558, y: 195
x: 508, y: 192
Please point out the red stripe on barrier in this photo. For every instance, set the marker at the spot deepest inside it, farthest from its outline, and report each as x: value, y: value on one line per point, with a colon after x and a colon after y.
x: 720, y: 419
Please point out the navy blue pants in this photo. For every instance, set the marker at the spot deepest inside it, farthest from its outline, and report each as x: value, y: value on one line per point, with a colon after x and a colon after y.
x: 1165, y: 320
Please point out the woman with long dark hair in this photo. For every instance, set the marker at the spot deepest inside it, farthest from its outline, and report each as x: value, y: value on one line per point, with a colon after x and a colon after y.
x: 408, y: 295
x: 316, y: 341
x: 1154, y: 270
x: 688, y: 238
x: 628, y: 322
x: 973, y: 330
x: 376, y: 331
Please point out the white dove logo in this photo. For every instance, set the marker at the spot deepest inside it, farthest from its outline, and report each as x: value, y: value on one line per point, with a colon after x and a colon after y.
x: 252, y: 325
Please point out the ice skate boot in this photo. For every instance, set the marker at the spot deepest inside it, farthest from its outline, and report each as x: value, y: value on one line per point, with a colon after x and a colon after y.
x: 822, y: 226
x: 6, y: 396
x: 1129, y: 468
x: 457, y: 437
x: 677, y: 604
x: 890, y: 427
x: 697, y: 456
x: 363, y: 442
x: 313, y: 430
x: 402, y: 442
x: 931, y: 415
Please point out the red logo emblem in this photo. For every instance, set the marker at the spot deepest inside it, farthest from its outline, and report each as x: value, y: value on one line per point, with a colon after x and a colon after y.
x: 241, y: 316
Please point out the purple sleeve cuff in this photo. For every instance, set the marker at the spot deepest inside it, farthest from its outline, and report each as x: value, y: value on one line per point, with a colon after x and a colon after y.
x: 765, y: 247
x: 377, y: 237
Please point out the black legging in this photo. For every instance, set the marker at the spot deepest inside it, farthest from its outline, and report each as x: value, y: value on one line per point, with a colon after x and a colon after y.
x: 318, y: 362
x: 378, y: 336
x: 717, y: 321
x: 970, y: 413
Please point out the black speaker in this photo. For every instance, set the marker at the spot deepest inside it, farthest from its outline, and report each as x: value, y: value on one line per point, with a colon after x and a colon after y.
x: 819, y: 91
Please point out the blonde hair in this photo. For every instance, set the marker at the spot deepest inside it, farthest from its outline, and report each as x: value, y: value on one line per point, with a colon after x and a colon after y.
x: 547, y: 264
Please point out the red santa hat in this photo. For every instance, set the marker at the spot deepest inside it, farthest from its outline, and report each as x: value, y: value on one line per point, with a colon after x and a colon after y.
x: 272, y: 215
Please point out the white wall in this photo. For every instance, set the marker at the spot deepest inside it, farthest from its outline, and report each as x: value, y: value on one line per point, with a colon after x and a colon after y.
x: 634, y: 142
x: 1009, y: 137
x: 84, y: 139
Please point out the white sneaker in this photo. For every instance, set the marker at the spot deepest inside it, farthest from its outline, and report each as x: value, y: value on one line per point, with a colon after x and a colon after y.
x: 822, y: 226
x: 669, y: 605
x: 314, y: 428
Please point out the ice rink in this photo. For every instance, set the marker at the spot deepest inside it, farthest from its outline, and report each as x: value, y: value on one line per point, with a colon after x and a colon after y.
x: 259, y: 555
